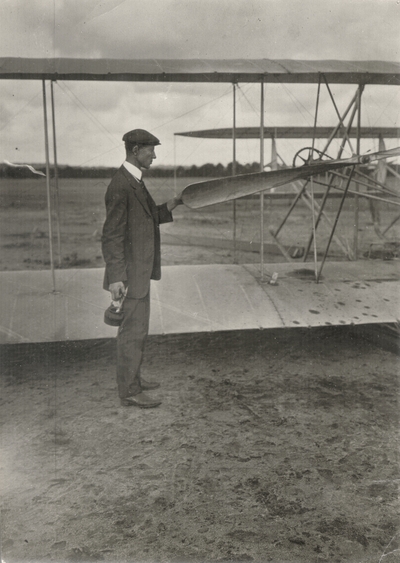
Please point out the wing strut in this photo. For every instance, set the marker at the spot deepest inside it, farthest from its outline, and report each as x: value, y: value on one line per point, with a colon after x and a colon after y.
x: 314, y: 227
x: 234, y: 171
x: 46, y: 142
x: 357, y: 186
x: 335, y: 223
x: 56, y: 188
x: 262, y: 199
x: 327, y: 192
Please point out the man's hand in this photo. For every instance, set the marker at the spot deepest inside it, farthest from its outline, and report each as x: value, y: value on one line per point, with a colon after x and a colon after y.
x: 174, y: 202
x: 118, y: 290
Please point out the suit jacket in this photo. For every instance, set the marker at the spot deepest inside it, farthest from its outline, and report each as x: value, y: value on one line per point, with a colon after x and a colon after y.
x: 131, y: 235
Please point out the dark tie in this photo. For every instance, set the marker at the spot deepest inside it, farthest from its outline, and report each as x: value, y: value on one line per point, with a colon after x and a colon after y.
x: 149, y: 199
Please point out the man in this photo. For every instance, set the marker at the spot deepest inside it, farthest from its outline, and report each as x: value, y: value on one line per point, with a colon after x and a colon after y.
x: 131, y: 250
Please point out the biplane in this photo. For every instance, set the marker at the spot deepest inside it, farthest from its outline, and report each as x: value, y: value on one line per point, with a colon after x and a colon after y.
x: 58, y: 305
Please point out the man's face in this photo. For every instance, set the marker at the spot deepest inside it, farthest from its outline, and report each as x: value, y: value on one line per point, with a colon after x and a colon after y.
x: 145, y: 156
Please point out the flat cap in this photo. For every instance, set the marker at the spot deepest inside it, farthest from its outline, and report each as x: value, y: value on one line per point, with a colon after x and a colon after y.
x: 140, y: 137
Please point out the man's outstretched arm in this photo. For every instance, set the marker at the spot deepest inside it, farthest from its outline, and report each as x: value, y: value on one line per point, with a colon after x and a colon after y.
x: 174, y: 202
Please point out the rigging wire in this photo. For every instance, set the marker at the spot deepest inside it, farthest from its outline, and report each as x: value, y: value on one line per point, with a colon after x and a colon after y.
x: 373, y: 123
x: 91, y: 116
x: 238, y: 226
x: 99, y: 156
x: 192, y: 110
x: 82, y: 106
x: 200, y: 119
x: 223, y: 233
x: 19, y: 111
x: 243, y: 93
x: 335, y: 141
x: 287, y: 142
x: 297, y: 102
x: 383, y: 112
x: 255, y: 111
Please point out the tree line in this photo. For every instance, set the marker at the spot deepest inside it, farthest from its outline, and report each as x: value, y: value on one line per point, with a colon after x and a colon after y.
x: 64, y: 171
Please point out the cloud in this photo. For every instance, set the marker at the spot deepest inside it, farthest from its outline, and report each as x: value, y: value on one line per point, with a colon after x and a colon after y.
x: 237, y: 29
x: 356, y: 29
x: 92, y: 116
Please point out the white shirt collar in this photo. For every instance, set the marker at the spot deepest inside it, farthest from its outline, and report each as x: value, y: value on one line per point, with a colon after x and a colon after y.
x: 132, y: 169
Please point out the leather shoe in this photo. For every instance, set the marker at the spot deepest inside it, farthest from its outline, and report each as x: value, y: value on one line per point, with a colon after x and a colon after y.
x: 149, y: 385
x: 140, y: 400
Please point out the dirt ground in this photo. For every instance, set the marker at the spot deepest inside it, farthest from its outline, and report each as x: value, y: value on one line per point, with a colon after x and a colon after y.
x: 276, y: 446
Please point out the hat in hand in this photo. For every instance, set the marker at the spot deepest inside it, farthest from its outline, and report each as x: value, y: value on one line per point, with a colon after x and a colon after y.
x: 114, y: 314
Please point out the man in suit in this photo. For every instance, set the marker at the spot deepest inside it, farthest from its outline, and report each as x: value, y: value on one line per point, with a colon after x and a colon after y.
x: 131, y: 250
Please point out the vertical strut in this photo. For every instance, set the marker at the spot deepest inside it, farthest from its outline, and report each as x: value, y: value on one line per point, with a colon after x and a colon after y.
x: 261, y: 170
x: 46, y: 142
x: 234, y: 171
x: 56, y: 190
x: 175, y: 171
x: 312, y: 182
x: 335, y: 223
x: 313, y: 228
x: 357, y: 187
x: 316, y: 114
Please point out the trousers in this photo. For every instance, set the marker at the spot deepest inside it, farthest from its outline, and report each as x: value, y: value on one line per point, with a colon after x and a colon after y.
x: 131, y: 340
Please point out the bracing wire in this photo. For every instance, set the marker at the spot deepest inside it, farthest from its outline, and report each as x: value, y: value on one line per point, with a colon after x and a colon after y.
x: 192, y: 110
x: 202, y: 141
x: 383, y: 112
x: 297, y: 102
x: 19, y: 111
x: 243, y: 93
x: 373, y: 123
x: 218, y: 230
x: 85, y: 110
x: 82, y: 106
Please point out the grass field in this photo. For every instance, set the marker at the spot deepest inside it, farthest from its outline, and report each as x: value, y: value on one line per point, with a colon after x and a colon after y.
x: 24, y: 227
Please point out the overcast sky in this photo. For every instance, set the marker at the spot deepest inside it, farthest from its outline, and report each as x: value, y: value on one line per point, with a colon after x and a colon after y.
x: 92, y: 117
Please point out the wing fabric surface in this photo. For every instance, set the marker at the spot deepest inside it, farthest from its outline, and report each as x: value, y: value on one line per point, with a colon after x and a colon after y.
x: 211, y: 192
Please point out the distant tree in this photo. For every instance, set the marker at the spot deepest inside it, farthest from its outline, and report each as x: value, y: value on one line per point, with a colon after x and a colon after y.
x: 219, y: 170
x: 207, y: 170
x: 181, y: 172
x: 193, y: 170
x: 229, y: 169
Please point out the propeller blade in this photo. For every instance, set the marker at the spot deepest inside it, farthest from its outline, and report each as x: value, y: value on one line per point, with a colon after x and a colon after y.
x: 211, y: 192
